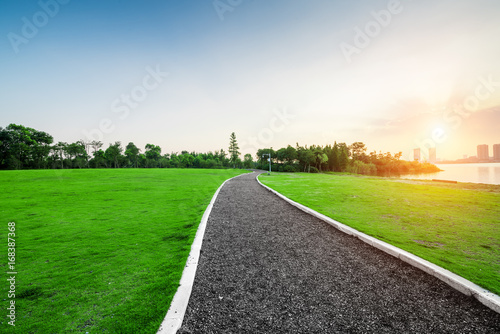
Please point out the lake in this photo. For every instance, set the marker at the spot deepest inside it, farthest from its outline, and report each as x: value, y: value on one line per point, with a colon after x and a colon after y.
x: 476, y: 173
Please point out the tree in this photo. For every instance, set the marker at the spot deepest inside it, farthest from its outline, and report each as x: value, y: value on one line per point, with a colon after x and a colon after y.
x: 5, y: 142
x: 358, y: 150
x: 343, y: 157
x: 99, y: 159
x: 153, y: 154
x: 87, y: 145
x: 281, y: 154
x: 248, y: 161
x: 333, y: 158
x: 23, y: 147
x: 132, y: 153
x: 263, y: 156
x: 76, y: 150
x: 305, y: 156
x: 41, y: 148
x: 59, y: 149
x: 290, y: 154
x: 233, y: 150
x: 96, y: 145
x: 221, y: 157
x: 187, y: 160
x: 320, y: 157
x: 19, y: 146
x: 113, y: 153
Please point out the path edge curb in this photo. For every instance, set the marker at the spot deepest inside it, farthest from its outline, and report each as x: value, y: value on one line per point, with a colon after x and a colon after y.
x: 175, y: 315
x: 485, y: 297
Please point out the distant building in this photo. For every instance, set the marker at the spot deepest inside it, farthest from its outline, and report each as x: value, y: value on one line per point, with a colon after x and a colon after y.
x: 432, y: 154
x: 416, y: 154
x: 483, y: 152
x: 496, y: 152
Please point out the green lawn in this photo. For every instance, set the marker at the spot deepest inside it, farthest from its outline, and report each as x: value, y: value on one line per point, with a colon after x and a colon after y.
x: 456, y: 226
x: 100, y: 250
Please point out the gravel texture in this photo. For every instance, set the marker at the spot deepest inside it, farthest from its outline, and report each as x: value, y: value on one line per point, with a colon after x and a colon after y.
x: 267, y: 267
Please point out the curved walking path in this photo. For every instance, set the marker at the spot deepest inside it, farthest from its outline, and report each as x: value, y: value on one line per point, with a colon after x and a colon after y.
x: 268, y: 267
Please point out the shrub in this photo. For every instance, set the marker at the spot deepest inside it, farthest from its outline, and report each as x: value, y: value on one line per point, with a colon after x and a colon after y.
x: 359, y: 167
x: 291, y: 169
x: 313, y: 170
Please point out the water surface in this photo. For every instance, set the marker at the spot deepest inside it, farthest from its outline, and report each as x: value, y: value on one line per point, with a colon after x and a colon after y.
x: 476, y: 173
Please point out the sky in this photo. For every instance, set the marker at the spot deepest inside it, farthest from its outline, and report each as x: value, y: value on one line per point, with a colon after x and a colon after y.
x: 185, y: 74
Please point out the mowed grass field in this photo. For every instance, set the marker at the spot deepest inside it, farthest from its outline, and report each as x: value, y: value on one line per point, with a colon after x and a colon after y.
x: 456, y: 226
x: 100, y: 251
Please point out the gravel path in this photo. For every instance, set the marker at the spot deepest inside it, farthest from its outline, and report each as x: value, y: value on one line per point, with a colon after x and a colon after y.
x: 267, y: 267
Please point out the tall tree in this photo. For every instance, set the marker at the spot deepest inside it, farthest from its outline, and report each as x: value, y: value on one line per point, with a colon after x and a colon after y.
x: 59, y: 151
x: 358, y: 150
x: 343, y: 157
x: 100, y: 159
x: 233, y: 149
x: 291, y: 154
x: 153, y: 154
x: 320, y: 157
x: 132, y: 153
x: 87, y: 145
x: 96, y: 145
x: 333, y: 158
x: 77, y: 150
x: 113, y: 153
x: 306, y: 157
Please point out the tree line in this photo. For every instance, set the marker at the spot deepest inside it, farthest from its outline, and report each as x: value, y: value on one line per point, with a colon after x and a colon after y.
x: 26, y: 148
x: 339, y: 157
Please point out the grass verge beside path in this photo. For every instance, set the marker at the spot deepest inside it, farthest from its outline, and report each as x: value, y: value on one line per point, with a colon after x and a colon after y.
x: 456, y: 226
x: 100, y: 251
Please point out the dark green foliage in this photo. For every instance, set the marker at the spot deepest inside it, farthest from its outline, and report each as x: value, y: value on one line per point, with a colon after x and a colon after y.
x: 248, y: 161
x: 340, y: 158
x: 233, y: 151
x: 291, y: 168
x: 26, y: 148
x: 23, y: 147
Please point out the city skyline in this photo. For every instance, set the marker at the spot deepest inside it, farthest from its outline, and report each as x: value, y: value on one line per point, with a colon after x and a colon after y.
x: 482, y: 153
x: 395, y: 75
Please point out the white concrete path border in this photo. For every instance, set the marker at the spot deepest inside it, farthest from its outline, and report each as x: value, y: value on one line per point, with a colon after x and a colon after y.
x: 468, y: 288
x: 177, y: 310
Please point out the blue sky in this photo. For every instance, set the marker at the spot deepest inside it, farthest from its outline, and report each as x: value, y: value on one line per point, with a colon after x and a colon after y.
x: 184, y: 74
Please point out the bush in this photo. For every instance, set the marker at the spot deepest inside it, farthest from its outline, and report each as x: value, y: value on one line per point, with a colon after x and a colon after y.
x: 359, y: 167
x: 291, y: 168
x: 313, y: 170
